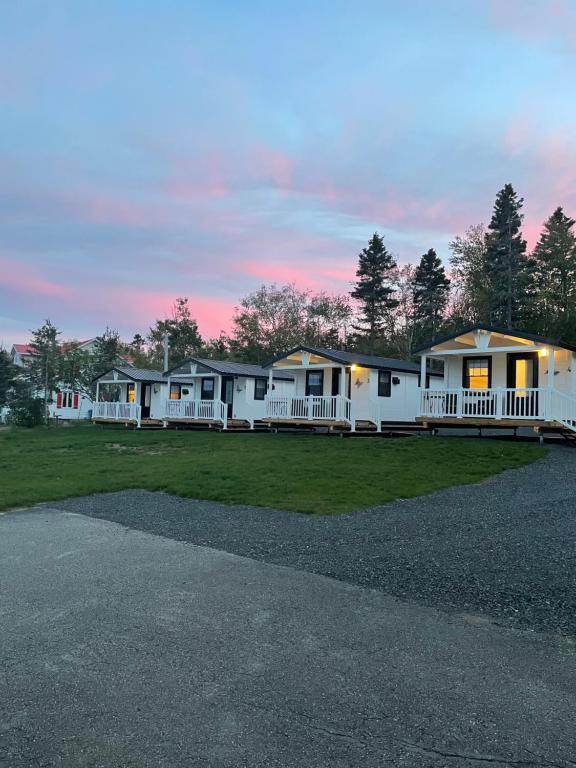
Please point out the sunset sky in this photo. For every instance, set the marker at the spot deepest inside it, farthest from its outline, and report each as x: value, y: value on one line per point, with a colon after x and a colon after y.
x: 153, y: 149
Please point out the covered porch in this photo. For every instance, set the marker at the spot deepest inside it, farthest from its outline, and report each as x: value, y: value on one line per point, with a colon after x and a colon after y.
x: 131, y: 396
x: 499, y: 377
x: 322, y: 392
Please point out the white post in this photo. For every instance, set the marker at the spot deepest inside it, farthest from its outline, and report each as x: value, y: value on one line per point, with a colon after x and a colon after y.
x: 550, y: 382
x: 97, y: 391
x: 499, y: 402
x: 270, y: 381
x: 309, y: 407
x: 423, y: 361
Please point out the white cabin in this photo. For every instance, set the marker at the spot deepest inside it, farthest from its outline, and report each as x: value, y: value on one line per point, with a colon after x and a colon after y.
x: 501, y: 377
x: 338, y: 389
x: 219, y: 392
x: 129, y: 395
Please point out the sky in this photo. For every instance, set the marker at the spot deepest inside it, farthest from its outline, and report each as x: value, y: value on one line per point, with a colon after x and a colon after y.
x: 154, y: 149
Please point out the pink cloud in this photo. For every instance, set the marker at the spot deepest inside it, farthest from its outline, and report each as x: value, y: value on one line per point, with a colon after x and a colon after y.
x: 21, y: 278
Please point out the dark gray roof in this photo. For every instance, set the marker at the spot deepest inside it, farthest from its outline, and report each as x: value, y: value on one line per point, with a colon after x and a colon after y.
x: 229, y: 368
x: 136, y: 374
x: 498, y: 329
x: 354, y: 358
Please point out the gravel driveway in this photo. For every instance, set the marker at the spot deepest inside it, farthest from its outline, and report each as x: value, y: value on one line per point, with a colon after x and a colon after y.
x: 504, y: 548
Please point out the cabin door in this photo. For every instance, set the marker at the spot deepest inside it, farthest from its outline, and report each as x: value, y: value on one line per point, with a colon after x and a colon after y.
x: 145, y: 395
x: 227, y: 394
x: 522, y: 377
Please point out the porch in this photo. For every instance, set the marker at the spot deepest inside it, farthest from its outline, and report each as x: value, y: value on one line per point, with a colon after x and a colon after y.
x: 333, y: 410
x: 202, y: 412
x: 127, y: 413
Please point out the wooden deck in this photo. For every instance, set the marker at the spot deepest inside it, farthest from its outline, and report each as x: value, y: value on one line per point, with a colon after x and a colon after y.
x: 474, y: 423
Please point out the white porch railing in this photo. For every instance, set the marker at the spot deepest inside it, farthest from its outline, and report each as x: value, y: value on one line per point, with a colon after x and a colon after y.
x: 117, y: 411
x: 563, y: 409
x: 495, y: 403
x: 309, y: 408
x: 196, y: 410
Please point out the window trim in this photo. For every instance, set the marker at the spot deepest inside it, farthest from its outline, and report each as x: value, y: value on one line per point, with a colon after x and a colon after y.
x: 476, y: 358
x: 385, y: 390
x: 321, y: 384
x: 257, y: 381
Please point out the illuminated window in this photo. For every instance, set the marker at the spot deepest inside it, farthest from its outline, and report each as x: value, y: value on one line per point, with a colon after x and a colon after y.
x: 174, y: 391
x: 131, y: 393
x: 477, y: 373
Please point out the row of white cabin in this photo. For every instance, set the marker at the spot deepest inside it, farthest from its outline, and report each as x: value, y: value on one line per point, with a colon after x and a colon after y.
x: 490, y: 377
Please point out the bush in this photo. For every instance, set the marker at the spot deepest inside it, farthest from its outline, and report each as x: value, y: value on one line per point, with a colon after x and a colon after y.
x: 27, y: 412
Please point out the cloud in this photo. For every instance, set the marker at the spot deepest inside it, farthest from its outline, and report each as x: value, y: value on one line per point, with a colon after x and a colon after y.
x: 22, y: 279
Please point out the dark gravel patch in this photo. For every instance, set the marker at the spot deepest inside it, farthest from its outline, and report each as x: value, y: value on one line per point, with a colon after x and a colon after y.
x: 505, y: 548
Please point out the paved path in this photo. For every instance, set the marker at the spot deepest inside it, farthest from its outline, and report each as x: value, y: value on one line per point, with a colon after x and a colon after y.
x: 122, y: 649
x: 504, y: 547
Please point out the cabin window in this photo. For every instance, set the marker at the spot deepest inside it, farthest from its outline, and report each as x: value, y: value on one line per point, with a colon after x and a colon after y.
x: 384, y: 384
x: 185, y: 391
x: 477, y: 373
x: 260, y: 389
x: 174, y: 391
x: 130, y: 393
x: 315, y: 383
x: 67, y: 400
x: 207, y: 389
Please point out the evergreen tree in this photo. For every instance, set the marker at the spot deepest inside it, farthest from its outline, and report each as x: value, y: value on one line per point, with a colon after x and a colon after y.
x: 43, y: 370
x: 183, y: 336
x: 10, y: 384
x: 375, y: 292
x: 108, y: 351
x: 506, y: 262
x: 431, y: 291
x: 554, y: 260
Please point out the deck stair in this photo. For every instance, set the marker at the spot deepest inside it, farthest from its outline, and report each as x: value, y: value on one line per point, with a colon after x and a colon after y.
x: 563, y: 410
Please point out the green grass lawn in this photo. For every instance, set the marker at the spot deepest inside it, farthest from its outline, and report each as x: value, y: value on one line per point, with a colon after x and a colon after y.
x: 312, y: 474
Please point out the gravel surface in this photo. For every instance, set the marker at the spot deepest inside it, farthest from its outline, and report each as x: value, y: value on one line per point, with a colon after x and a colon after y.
x: 505, y: 548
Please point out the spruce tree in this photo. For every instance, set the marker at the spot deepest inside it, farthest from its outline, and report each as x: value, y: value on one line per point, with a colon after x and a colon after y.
x: 43, y: 370
x: 431, y: 291
x: 374, y: 291
x: 554, y: 260
x: 506, y: 262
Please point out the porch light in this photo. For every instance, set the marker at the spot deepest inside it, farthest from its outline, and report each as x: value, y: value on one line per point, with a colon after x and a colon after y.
x: 353, y: 367
x: 543, y: 352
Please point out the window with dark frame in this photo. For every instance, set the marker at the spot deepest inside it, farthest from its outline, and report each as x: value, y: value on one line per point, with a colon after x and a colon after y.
x: 174, y: 391
x: 315, y: 383
x: 260, y: 388
x: 384, y: 383
x: 477, y: 373
x: 207, y: 389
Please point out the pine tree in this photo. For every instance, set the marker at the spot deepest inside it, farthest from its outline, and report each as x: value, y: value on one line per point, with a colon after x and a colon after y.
x: 108, y: 351
x: 554, y: 260
x: 506, y: 262
x: 43, y: 369
x: 10, y: 384
x: 431, y: 291
x: 183, y: 335
x: 374, y: 291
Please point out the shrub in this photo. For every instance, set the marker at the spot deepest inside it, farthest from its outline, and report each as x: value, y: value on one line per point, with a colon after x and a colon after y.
x: 27, y: 412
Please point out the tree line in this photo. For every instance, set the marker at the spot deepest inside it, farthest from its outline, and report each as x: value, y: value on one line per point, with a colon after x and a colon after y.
x: 390, y: 309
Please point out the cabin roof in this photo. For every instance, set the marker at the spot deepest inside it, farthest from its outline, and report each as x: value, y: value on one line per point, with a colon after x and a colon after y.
x: 136, y: 374
x: 496, y: 329
x: 354, y: 358
x: 229, y: 368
